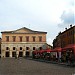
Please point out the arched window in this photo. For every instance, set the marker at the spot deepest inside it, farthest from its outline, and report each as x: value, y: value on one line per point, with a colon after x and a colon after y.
x: 20, y: 48
x: 34, y: 48
x: 7, y: 48
x: 14, y: 48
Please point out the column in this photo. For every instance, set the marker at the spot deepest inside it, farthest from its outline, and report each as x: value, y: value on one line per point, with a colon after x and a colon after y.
x: 23, y: 53
x: 10, y: 51
x: 17, y: 52
x: 3, y: 53
x: 30, y: 53
x: 10, y: 54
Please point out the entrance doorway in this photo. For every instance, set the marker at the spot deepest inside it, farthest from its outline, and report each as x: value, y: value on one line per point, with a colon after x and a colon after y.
x: 7, y: 54
x: 0, y: 51
x: 13, y: 54
x: 20, y: 54
x: 27, y: 54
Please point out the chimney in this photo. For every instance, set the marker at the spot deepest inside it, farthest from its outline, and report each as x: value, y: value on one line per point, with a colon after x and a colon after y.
x: 65, y: 28
x: 70, y: 25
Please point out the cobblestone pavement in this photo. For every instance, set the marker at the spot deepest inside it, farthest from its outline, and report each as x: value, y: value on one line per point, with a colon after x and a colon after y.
x: 21, y: 66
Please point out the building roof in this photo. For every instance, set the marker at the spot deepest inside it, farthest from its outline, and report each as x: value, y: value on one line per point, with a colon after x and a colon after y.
x: 24, y: 30
x: 72, y: 27
x: 61, y: 33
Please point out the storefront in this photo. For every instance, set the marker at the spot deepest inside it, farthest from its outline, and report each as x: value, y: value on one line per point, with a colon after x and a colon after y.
x: 7, y: 54
x: 47, y: 54
x: 68, y: 53
x: 13, y: 54
x: 56, y: 54
x: 34, y: 53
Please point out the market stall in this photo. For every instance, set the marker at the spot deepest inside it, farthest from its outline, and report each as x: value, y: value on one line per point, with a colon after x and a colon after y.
x: 56, y: 54
x: 68, y: 53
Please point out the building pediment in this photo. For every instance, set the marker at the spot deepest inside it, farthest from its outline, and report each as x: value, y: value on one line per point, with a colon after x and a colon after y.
x: 23, y: 30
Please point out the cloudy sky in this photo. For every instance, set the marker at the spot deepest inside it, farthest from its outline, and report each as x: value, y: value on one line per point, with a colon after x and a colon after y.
x: 51, y: 16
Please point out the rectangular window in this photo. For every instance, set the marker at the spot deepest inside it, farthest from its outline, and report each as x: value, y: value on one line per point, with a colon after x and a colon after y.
x: 72, y: 32
x: 40, y: 38
x: 7, y: 38
x: 33, y: 38
x: 7, y: 48
x: 0, y: 51
x: 14, y: 48
x: 67, y: 34
x: 27, y: 38
x: 14, y: 38
x: 20, y: 38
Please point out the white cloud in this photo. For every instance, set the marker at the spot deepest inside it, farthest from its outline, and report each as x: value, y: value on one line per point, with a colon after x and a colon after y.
x: 42, y: 15
x: 67, y: 17
x: 44, y: 10
x: 49, y: 41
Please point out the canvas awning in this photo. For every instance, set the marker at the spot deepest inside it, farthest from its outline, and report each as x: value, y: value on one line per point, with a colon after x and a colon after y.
x: 48, y: 50
x: 58, y: 49
x: 71, y: 46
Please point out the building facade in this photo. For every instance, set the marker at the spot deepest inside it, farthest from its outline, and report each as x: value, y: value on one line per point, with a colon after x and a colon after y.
x: 57, y: 41
x: 0, y: 47
x: 68, y: 37
x: 21, y: 42
x: 65, y: 38
x: 66, y: 42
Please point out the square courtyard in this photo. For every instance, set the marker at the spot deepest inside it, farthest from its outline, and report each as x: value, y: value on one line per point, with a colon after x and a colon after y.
x: 22, y: 66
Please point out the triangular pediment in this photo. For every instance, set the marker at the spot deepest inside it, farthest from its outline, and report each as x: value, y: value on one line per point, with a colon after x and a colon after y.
x: 23, y: 30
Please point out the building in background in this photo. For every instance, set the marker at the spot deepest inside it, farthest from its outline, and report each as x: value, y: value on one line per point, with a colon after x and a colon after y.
x: 68, y: 37
x: 49, y: 46
x: 66, y: 41
x: 57, y: 41
x: 21, y: 42
x: 65, y: 38
x: 0, y: 47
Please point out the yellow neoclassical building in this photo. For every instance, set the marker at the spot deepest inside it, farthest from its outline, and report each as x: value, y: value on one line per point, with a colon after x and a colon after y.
x: 22, y: 42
